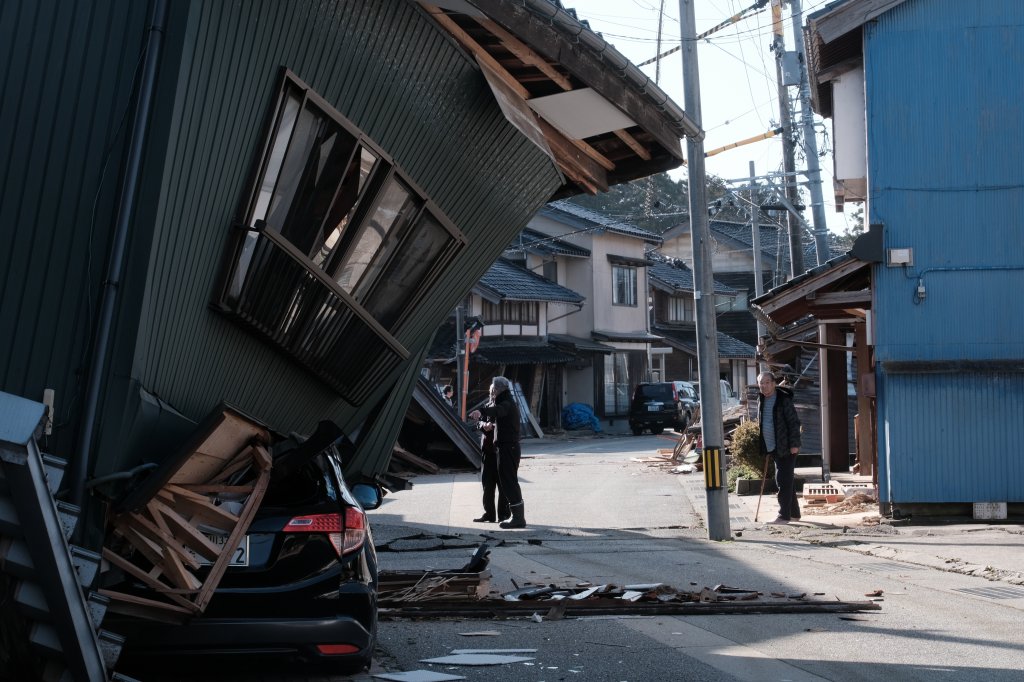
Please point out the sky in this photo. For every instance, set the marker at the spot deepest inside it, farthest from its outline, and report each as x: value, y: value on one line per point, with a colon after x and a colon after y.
x: 738, y: 86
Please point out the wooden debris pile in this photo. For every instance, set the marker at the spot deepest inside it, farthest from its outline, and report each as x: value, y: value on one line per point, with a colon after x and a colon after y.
x: 176, y: 532
x: 419, y: 586
x: 856, y: 502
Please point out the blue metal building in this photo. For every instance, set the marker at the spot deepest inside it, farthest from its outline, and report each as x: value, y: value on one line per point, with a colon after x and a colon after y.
x: 928, y: 116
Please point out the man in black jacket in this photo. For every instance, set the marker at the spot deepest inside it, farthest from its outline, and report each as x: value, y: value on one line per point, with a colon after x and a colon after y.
x: 780, y: 439
x: 505, y: 415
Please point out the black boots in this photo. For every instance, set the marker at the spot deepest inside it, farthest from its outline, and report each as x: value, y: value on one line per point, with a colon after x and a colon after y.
x: 518, y: 519
x: 486, y: 518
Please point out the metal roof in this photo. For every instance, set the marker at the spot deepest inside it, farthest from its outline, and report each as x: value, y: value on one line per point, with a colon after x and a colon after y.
x: 585, y: 219
x: 506, y: 281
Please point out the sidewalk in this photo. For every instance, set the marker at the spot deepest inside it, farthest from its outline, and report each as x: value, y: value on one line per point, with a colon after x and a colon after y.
x: 992, y: 550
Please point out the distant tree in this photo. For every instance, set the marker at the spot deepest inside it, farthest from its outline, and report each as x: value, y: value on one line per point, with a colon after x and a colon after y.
x: 855, y: 229
x: 658, y: 202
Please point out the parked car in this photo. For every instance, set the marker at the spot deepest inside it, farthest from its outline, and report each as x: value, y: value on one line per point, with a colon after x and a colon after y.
x: 687, y: 395
x: 656, y: 406
x: 728, y: 397
x: 302, y: 586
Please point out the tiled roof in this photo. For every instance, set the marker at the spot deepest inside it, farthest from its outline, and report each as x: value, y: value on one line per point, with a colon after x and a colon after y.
x: 538, y: 242
x: 774, y: 240
x: 507, y: 281
x: 642, y: 337
x: 803, y: 277
x: 679, y: 277
x: 686, y: 339
x: 578, y: 345
x: 513, y: 352
x: 585, y: 219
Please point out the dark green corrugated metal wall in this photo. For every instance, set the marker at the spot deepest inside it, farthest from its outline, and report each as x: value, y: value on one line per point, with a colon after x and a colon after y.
x: 65, y: 73
x: 390, y: 70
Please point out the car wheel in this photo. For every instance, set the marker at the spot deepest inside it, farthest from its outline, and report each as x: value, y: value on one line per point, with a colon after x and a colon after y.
x: 637, y: 430
x: 656, y: 430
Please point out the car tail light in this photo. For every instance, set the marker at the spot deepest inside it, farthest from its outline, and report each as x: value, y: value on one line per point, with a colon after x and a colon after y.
x: 347, y: 532
x: 337, y: 649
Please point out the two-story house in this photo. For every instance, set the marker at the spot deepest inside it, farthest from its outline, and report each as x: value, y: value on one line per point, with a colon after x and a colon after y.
x: 673, y: 318
x: 518, y: 310
x: 605, y: 261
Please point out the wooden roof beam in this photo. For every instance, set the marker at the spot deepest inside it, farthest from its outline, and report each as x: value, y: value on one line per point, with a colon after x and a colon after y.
x: 558, y: 141
x: 525, y: 53
x: 528, y: 55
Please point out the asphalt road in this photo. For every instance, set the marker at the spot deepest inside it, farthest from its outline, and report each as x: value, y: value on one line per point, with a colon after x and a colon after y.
x: 596, y: 514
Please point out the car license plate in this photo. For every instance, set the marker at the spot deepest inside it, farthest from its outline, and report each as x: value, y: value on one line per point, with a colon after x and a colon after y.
x: 240, y: 557
x: 656, y: 407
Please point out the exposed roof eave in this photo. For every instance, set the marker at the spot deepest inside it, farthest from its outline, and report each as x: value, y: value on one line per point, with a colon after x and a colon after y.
x: 840, y: 18
x: 534, y: 50
x: 843, y: 285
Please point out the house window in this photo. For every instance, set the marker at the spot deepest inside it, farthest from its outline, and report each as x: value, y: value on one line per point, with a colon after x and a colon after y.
x: 337, y: 243
x: 739, y: 302
x: 616, y: 384
x: 623, y: 285
x: 680, y: 309
x: 511, y: 312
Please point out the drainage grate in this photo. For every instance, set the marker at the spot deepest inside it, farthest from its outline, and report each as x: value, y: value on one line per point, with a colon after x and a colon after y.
x: 994, y: 592
x: 888, y: 567
x: 739, y: 519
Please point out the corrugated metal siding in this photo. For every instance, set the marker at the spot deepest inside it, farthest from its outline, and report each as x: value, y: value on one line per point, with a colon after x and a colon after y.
x: 945, y: 140
x: 952, y: 438
x: 65, y: 71
x: 945, y: 105
x: 387, y: 68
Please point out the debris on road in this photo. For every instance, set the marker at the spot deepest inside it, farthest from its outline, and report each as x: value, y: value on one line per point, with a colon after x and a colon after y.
x: 477, y: 659
x: 609, y: 599
x: 418, y: 676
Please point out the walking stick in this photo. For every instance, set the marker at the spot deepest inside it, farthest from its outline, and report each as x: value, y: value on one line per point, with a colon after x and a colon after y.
x: 764, y: 478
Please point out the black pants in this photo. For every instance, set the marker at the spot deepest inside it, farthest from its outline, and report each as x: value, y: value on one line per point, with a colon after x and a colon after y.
x: 489, y: 480
x: 508, y: 472
x: 785, y: 466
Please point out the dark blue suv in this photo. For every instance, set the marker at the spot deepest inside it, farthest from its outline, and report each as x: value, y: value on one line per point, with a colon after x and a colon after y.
x: 656, y: 406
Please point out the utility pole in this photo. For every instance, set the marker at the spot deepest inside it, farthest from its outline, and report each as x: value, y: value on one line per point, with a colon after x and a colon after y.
x: 796, y: 252
x: 810, y: 139
x: 704, y: 292
x: 755, y: 240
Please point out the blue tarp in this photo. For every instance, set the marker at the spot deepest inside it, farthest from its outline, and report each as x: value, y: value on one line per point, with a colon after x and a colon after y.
x: 579, y: 416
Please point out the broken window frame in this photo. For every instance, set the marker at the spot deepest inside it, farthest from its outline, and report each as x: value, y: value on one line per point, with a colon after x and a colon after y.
x: 335, y: 240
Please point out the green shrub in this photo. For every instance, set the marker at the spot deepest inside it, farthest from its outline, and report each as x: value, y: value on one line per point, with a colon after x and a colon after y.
x: 745, y: 447
x: 740, y: 471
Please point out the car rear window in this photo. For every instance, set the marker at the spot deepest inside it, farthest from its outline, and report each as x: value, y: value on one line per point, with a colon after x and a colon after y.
x: 654, y: 391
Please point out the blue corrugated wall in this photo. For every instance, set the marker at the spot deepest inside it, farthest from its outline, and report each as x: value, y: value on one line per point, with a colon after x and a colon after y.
x: 945, y: 112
